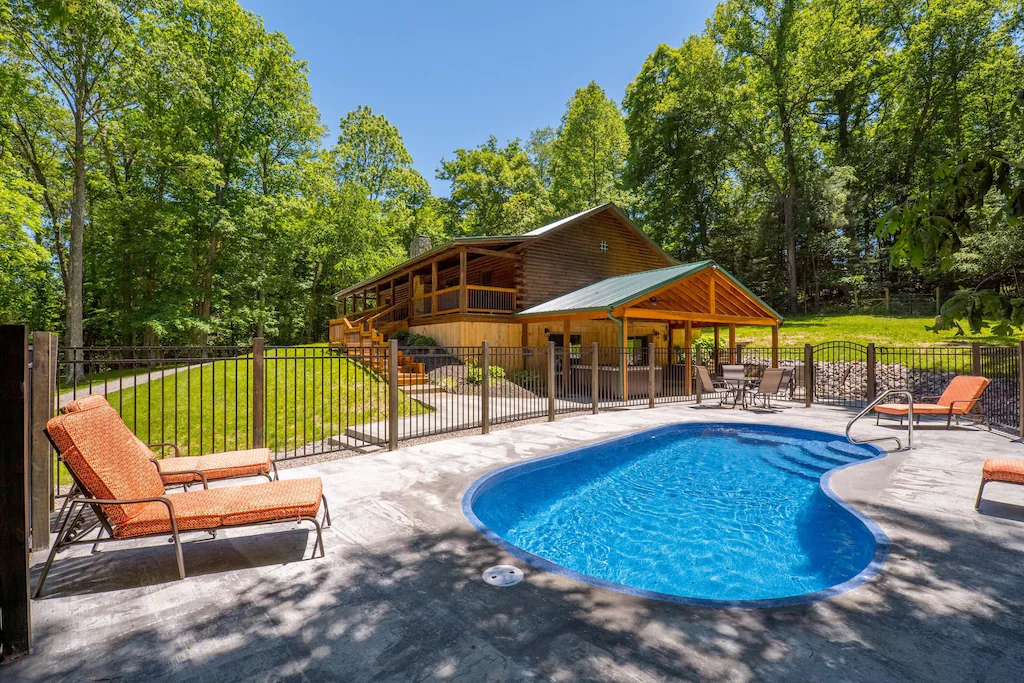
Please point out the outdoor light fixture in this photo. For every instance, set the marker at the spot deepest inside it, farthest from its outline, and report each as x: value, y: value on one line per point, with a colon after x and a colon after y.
x: 653, y: 301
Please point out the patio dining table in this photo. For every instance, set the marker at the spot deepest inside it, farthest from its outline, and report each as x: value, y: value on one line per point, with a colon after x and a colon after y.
x: 743, y: 386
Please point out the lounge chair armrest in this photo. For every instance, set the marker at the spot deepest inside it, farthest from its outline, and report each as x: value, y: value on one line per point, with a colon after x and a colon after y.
x: 202, y: 476
x: 177, y: 451
x: 964, y: 400
x: 132, y: 501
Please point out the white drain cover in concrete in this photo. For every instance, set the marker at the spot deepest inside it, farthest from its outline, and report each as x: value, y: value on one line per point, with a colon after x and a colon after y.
x: 503, y: 575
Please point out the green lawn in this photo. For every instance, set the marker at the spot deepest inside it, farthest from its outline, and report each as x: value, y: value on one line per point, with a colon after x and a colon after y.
x: 883, y: 330
x: 310, y: 395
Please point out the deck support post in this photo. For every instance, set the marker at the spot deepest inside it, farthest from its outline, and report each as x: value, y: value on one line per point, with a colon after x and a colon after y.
x: 485, y: 387
x: 433, y: 286
x: 551, y: 381
x: 392, y: 394
x: 595, y: 378
x: 775, y: 345
x: 16, y: 635
x: 257, y: 391
x: 650, y: 375
x: 688, y: 357
x: 463, y: 292
x: 808, y: 375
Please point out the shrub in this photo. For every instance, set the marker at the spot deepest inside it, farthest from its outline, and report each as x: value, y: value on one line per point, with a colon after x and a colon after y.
x: 475, y: 374
x: 407, y: 338
x: 524, y: 377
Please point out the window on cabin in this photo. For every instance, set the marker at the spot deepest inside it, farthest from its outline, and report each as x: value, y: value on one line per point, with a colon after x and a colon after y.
x: 637, y: 350
x: 486, y: 278
x: 604, y: 245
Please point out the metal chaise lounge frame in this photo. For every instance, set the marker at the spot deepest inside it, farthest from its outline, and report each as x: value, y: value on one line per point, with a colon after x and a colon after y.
x: 961, y: 396
x: 73, y: 527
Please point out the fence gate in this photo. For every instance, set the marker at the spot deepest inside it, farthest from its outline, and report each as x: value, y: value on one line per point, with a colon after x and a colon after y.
x: 841, y: 374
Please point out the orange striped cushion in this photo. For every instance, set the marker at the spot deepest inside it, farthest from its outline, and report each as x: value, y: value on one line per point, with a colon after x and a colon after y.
x: 963, y: 388
x: 216, y: 465
x: 1002, y: 469
x: 107, y: 458
x: 229, y: 506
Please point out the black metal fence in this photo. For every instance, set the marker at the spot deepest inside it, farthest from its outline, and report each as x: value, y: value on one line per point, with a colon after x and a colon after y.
x: 311, y: 400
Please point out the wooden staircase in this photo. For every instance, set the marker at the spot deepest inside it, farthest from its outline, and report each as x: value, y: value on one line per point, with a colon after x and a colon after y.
x: 370, y: 346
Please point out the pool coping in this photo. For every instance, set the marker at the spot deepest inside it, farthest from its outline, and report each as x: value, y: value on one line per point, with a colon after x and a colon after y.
x: 882, y: 544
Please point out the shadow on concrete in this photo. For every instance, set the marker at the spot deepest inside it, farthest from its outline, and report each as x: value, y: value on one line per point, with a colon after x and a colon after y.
x: 948, y: 606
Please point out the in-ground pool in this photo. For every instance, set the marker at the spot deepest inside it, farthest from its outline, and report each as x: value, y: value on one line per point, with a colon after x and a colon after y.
x: 714, y: 514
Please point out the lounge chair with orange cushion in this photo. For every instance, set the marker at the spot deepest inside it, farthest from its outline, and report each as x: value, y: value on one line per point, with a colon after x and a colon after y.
x: 960, y: 397
x: 116, y: 478
x: 1000, y: 469
x: 194, y: 469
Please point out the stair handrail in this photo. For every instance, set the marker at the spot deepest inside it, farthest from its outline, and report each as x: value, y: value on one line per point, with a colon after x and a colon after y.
x: 867, y: 409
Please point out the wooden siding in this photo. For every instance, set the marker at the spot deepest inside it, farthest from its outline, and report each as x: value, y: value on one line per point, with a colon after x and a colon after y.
x: 571, y: 257
x: 468, y: 333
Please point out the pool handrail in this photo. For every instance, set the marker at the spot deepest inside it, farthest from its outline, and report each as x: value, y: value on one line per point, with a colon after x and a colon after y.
x: 870, y: 406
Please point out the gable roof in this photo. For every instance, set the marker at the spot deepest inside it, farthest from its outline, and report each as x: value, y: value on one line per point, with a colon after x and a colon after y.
x: 505, y: 240
x: 608, y: 294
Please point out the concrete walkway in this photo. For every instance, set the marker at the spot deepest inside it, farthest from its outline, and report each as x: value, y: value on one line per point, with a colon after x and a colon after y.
x: 399, y: 596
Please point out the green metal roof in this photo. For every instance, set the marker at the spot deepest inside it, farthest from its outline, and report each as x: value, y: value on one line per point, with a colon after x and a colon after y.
x: 605, y: 295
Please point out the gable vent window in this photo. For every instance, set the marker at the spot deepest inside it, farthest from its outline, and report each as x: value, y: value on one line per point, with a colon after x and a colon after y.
x: 604, y: 245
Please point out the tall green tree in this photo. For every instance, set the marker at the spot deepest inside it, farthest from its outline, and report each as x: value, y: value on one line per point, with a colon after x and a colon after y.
x: 588, y: 155
x: 495, y: 191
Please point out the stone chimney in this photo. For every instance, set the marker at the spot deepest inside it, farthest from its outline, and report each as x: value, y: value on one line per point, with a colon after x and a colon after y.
x: 419, y: 245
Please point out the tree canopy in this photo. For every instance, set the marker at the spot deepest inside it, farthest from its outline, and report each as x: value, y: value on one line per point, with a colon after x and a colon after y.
x: 165, y: 177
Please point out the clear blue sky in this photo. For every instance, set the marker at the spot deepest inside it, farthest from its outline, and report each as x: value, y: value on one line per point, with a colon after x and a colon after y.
x: 449, y: 74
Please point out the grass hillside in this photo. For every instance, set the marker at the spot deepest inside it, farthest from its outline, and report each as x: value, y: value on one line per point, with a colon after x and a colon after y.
x: 883, y: 330
x: 307, y: 398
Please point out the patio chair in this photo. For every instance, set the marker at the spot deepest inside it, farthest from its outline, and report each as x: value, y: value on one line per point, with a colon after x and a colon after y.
x: 710, y: 385
x: 799, y: 380
x: 733, y: 375
x: 1001, y: 470
x: 194, y: 469
x: 787, y: 381
x: 961, y: 396
x: 118, y: 482
x: 770, y: 385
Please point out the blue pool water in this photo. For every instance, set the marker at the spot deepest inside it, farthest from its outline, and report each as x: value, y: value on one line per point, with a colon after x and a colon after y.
x: 696, y: 513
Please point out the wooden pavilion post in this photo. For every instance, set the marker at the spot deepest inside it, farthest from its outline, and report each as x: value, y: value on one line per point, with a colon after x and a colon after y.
x: 688, y: 357
x: 623, y: 362
x: 463, y: 292
x: 566, y: 356
x: 718, y: 344
x: 732, y: 344
x: 775, y: 345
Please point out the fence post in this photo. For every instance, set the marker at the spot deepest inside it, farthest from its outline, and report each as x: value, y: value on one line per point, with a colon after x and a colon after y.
x: 551, y: 381
x: 44, y: 378
x: 595, y: 378
x: 392, y: 394
x: 975, y: 358
x: 808, y: 375
x: 1020, y: 389
x: 257, y: 392
x: 16, y: 634
x: 650, y: 374
x: 872, y: 386
x: 485, y: 387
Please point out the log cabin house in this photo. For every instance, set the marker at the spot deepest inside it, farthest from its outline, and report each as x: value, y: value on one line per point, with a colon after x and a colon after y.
x: 590, y: 277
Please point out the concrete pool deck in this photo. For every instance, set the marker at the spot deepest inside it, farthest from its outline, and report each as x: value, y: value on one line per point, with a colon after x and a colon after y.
x: 399, y: 596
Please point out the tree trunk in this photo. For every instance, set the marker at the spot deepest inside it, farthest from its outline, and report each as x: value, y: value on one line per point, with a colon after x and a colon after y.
x: 74, y: 336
